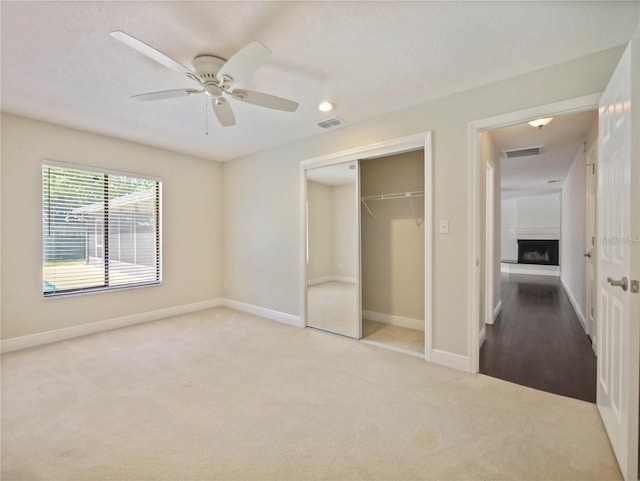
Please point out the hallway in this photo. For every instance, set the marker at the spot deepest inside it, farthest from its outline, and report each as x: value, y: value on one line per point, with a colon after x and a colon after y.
x: 538, y: 341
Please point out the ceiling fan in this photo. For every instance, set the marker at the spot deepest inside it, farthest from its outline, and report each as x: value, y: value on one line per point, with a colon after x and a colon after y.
x: 215, y: 77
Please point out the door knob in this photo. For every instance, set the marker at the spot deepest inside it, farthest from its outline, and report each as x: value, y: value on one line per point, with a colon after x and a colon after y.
x: 624, y: 283
x: 587, y: 254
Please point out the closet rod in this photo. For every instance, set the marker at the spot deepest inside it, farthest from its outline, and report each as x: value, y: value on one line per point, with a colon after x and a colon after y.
x: 395, y: 195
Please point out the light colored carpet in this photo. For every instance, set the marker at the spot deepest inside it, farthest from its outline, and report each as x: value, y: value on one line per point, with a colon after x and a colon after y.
x: 221, y: 395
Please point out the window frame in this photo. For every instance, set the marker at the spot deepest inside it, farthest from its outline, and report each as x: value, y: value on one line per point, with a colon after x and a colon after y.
x: 98, y: 170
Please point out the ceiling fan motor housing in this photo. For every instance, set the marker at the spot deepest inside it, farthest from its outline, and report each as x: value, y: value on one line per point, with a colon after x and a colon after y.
x: 207, y: 67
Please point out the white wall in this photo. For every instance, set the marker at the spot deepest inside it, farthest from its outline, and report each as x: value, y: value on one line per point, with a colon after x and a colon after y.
x: 509, y: 222
x: 191, y: 227
x: 573, y: 234
x: 528, y: 212
x: 539, y: 212
x: 262, y: 191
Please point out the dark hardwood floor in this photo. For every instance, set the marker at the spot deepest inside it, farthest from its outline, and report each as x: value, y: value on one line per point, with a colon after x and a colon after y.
x: 538, y: 341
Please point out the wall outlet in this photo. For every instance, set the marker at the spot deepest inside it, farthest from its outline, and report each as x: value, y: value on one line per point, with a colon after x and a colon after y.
x: 444, y: 226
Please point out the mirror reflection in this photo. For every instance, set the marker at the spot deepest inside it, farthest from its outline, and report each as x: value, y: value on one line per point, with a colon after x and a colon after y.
x: 333, y: 290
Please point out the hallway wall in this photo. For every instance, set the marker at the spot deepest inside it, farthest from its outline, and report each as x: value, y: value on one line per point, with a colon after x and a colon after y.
x: 573, y: 229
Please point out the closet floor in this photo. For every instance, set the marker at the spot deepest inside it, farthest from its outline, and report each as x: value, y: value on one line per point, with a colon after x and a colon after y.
x: 401, y: 338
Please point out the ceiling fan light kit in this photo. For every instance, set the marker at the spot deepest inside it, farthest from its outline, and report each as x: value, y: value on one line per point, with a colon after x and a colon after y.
x: 215, y: 76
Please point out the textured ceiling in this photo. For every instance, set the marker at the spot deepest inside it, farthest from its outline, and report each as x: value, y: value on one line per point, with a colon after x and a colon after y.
x: 60, y: 64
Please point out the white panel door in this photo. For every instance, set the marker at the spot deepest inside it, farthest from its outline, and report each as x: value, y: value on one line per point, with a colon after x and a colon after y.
x: 617, y: 378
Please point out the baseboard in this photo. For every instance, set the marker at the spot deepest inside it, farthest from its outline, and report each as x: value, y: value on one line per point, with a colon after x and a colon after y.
x: 389, y: 347
x: 322, y: 280
x: 271, y: 314
x: 450, y: 359
x: 482, y: 336
x: 350, y: 280
x: 574, y: 303
x: 497, y: 310
x: 41, y: 338
x: 530, y: 269
x: 394, y: 320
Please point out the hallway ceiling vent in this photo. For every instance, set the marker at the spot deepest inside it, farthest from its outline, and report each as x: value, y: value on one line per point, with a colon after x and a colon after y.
x: 331, y: 123
x: 526, y: 152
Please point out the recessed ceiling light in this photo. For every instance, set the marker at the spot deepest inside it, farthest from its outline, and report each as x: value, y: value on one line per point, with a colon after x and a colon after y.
x: 325, y: 106
x: 540, y: 122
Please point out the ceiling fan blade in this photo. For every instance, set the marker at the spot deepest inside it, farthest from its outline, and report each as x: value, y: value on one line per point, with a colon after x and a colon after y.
x: 245, y: 61
x: 223, y: 111
x: 149, y: 51
x: 166, y: 94
x: 265, y: 100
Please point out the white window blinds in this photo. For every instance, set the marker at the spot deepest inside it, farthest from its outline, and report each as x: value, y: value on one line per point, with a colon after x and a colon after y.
x: 101, y: 230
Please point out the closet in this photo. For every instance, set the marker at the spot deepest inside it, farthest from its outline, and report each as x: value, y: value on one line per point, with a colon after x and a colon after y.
x: 392, y: 240
x: 365, y: 250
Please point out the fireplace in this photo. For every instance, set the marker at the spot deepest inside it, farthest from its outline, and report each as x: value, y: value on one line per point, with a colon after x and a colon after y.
x: 538, y: 251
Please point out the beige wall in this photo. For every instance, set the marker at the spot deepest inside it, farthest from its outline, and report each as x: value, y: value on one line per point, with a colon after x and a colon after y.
x: 191, y: 227
x: 262, y: 191
x: 333, y: 231
x: 345, y: 231
x: 392, y: 242
x: 320, y: 228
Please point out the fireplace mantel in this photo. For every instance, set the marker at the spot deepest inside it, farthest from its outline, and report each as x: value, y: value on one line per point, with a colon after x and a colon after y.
x: 550, y: 233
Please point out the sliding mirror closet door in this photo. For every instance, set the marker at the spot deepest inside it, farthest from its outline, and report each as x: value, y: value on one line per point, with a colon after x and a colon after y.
x: 333, y: 252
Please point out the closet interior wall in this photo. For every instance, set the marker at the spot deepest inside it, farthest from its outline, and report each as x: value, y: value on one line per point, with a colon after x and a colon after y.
x: 393, y: 238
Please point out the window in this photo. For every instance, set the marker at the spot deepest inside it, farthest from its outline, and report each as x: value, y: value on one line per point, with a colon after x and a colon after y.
x: 101, y: 230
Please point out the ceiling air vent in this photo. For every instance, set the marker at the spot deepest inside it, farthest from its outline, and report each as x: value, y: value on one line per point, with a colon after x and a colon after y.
x: 510, y: 154
x: 331, y: 123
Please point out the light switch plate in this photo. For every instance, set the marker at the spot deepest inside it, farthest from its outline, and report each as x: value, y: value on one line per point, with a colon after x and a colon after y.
x: 444, y: 226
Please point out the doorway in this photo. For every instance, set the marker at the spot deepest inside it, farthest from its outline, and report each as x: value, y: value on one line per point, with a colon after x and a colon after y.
x: 532, y: 294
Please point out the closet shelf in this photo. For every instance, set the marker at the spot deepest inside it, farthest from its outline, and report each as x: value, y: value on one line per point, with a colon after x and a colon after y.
x: 395, y: 195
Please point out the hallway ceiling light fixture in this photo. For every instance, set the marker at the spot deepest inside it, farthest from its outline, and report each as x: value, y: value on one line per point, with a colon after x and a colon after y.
x: 540, y: 122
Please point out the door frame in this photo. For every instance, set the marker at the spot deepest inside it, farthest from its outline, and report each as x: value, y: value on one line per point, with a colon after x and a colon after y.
x: 489, y: 240
x: 475, y: 256
x: 422, y: 140
x: 591, y: 182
